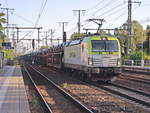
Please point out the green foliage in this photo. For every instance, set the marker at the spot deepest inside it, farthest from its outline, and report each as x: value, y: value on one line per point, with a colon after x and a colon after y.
x: 102, y: 32
x: 136, y: 55
x: 76, y: 36
x: 44, y: 47
x: 9, y: 54
x: 2, y: 20
x: 2, y: 36
x: 146, y: 42
x: 139, y: 36
x: 122, y: 36
x: 64, y: 85
x: 35, y: 100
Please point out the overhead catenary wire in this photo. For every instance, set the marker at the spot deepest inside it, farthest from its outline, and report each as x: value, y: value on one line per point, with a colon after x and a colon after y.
x: 117, y: 18
x: 89, y: 9
x: 145, y: 20
x: 110, y: 10
x: 107, y: 12
x: 120, y: 16
x: 41, y: 12
x: 113, y: 13
x: 97, y: 4
x: 100, y: 9
x: 23, y: 18
x: 105, y: 6
x: 6, y: 3
x: 43, y: 4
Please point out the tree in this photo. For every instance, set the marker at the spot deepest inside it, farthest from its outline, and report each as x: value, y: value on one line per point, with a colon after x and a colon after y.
x: 146, y: 42
x: 2, y: 20
x: 44, y: 47
x: 76, y: 36
x: 2, y: 35
x: 138, y: 36
x: 102, y: 32
x: 122, y: 36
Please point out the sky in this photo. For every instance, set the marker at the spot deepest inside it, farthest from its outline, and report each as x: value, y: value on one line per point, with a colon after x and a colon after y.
x: 113, y: 11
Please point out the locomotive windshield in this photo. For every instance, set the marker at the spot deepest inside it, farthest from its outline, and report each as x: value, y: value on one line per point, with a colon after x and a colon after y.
x: 104, y: 45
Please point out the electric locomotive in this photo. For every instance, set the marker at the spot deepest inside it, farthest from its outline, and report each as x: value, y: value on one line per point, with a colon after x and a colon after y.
x: 94, y: 57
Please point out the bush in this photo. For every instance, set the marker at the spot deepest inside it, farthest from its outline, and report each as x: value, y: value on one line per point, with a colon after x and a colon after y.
x: 137, y: 56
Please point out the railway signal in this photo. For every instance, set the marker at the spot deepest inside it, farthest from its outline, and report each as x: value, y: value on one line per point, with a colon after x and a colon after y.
x: 33, y: 44
x: 64, y: 36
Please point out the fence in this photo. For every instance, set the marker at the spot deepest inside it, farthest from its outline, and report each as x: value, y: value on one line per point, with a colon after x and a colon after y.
x: 137, y: 63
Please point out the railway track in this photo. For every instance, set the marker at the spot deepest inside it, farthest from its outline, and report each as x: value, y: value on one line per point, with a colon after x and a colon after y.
x: 131, y: 89
x: 69, y: 103
x: 122, y: 109
x: 138, y: 76
x: 135, y: 79
x: 45, y: 105
x: 138, y: 70
x: 136, y: 96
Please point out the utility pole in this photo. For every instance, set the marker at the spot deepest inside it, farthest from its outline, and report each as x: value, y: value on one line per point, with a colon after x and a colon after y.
x: 52, y: 31
x: 130, y: 24
x: 13, y: 34
x: 149, y: 45
x: 63, y: 30
x: 46, y: 38
x: 7, y: 14
x: 18, y: 28
x: 17, y: 34
x: 38, y: 37
x: 79, y: 18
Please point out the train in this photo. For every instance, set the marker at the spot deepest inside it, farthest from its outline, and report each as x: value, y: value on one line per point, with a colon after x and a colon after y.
x: 95, y: 57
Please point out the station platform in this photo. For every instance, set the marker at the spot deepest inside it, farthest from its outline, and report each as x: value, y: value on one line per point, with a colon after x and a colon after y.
x: 13, y: 97
x: 140, y: 67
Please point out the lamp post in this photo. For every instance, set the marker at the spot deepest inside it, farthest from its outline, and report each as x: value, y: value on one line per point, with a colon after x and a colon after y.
x: 142, y: 59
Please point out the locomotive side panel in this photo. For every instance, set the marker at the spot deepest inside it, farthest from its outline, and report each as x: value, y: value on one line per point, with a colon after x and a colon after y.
x: 72, y: 54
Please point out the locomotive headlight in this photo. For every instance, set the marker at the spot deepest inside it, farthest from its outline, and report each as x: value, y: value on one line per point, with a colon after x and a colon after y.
x: 90, y: 62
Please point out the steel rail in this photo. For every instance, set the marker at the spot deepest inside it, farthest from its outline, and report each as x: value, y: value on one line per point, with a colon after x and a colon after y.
x: 131, y: 89
x: 77, y: 102
x: 44, y: 103
x: 136, y: 100
x: 136, y: 76
x: 136, y: 69
x: 136, y: 80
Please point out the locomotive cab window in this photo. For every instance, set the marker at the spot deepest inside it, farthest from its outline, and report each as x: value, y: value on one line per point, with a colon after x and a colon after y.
x: 104, y: 45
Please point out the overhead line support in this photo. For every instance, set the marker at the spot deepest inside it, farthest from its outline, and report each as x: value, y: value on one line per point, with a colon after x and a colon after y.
x: 130, y: 24
x: 63, y: 30
x: 18, y: 28
x: 79, y: 19
x: 7, y: 14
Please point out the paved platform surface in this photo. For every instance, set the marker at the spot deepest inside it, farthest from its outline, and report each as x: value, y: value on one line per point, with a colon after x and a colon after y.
x: 13, y: 97
x: 140, y: 67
